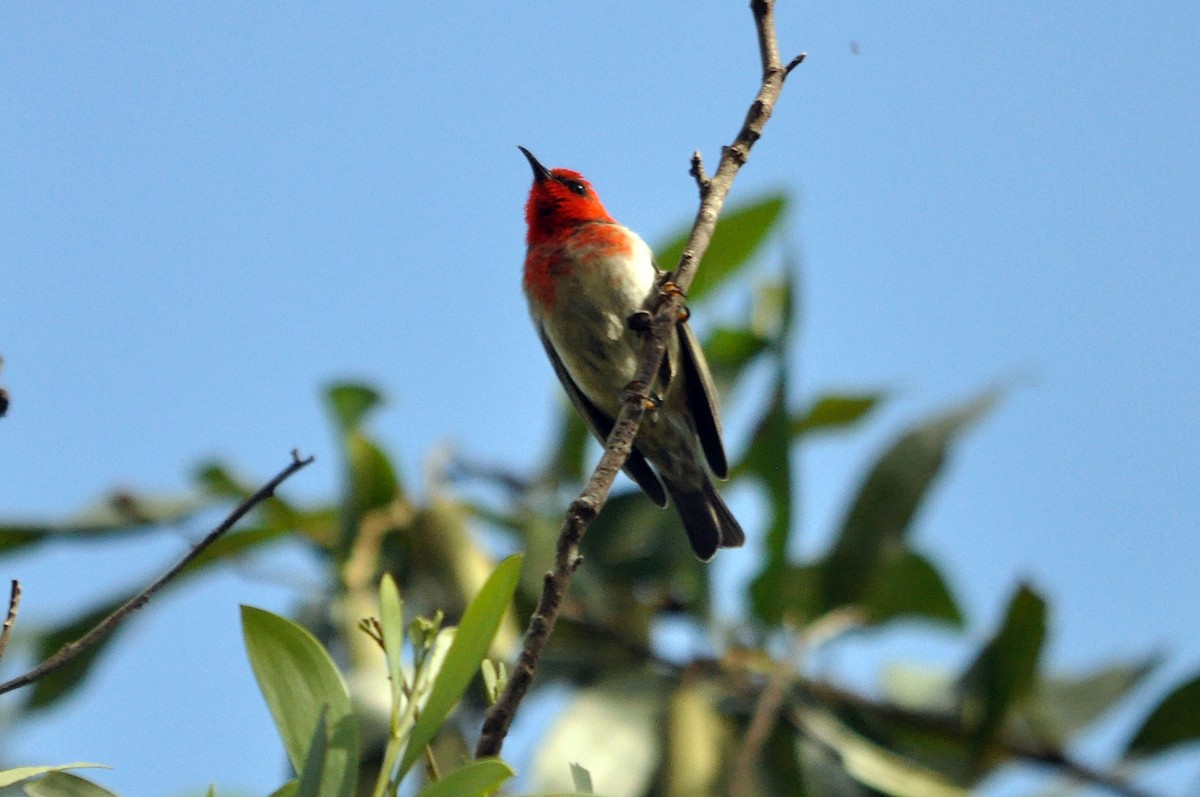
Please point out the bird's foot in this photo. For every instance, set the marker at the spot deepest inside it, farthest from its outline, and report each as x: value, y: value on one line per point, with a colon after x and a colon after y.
x: 667, y: 290
x: 637, y: 391
x: 640, y: 321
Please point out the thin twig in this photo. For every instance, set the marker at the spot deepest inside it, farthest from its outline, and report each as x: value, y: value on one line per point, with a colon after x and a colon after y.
x: 14, y: 603
x: 72, y: 649
x: 762, y: 721
x: 620, y: 442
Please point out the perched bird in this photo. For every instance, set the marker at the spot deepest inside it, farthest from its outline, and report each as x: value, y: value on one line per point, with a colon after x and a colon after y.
x: 586, y: 277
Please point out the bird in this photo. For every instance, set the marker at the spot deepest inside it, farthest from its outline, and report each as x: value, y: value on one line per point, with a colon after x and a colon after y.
x: 588, y: 281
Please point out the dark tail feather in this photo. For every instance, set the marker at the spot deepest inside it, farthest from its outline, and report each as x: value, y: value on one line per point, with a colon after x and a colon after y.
x: 708, y: 522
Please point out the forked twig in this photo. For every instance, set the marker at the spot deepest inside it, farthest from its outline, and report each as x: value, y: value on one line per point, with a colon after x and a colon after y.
x: 72, y: 649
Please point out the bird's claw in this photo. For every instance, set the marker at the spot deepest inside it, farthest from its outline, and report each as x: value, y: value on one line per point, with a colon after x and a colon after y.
x: 637, y: 391
x: 668, y: 290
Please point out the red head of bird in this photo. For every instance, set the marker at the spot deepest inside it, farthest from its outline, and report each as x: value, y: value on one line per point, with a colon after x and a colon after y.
x: 559, y: 200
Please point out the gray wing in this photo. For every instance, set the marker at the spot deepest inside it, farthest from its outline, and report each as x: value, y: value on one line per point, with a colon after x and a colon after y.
x: 702, y: 399
x: 636, y: 467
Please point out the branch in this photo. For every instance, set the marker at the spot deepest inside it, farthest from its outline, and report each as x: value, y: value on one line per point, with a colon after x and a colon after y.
x: 14, y: 603
x: 102, y: 629
x: 620, y: 442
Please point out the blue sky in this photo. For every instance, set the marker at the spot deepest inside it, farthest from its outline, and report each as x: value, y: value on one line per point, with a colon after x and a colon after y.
x: 207, y: 212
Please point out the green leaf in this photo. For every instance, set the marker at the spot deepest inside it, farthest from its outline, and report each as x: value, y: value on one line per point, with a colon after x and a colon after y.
x: 477, y: 779
x: 1061, y: 707
x: 835, y: 411
x: 799, y: 592
x: 729, y: 350
x: 60, y: 683
x: 567, y: 462
x: 909, y: 585
x: 633, y: 540
x: 64, y: 681
x: 739, y: 233
x: 373, y: 480
x: 62, y: 784
x: 237, y: 544
x: 288, y: 789
x: 17, y: 774
x: 872, y: 764
x: 216, y: 479
x: 769, y: 459
x: 349, y: 403
x: 582, y: 779
x: 1005, y: 670
x: 882, y: 512
x: 391, y: 625
x: 309, y: 784
x: 471, y: 642
x: 1175, y: 721
x: 299, y: 682
x: 115, y: 514
x: 123, y: 509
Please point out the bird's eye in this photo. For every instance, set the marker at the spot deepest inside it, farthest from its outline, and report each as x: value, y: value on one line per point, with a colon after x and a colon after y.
x: 576, y: 187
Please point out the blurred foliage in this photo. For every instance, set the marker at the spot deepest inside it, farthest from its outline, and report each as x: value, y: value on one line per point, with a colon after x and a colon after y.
x: 738, y: 709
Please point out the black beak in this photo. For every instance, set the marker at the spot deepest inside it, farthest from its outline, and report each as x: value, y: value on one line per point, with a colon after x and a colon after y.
x: 540, y: 172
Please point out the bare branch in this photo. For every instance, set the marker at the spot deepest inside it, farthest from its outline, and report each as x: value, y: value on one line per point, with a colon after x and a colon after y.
x: 102, y: 629
x: 697, y: 171
x: 14, y: 603
x: 620, y: 442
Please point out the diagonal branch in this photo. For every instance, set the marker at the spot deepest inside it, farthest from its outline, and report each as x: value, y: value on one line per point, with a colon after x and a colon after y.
x: 102, y: 629
x: 14, y: 604
x: 584, y: 509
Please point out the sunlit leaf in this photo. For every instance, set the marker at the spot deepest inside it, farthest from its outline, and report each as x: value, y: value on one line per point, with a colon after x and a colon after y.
x: 1175, y: 721
x: 740, y: 231
x: 300, y: 683
x: 476, y: 779
x: 876, y: 766
x: 920, y: 687
x: 880, y: 516
x: 698, y: 737
x: 472, y: 639
x: 391, y: 625
x: 1005, y: 670
x: 63, y: 784
x: 625, y: 710
x: 17, y: 774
